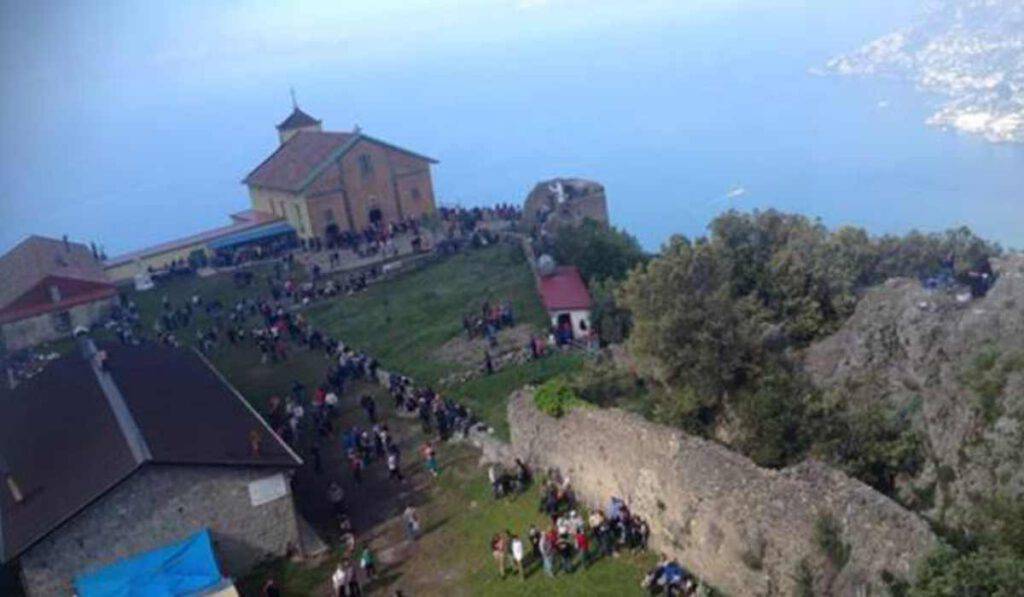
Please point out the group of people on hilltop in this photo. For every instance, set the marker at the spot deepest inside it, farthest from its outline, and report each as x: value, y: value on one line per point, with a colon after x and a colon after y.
x: 471, y: 215
x: 572, y: 541
x: 437, y: 414
x: 492, y: 318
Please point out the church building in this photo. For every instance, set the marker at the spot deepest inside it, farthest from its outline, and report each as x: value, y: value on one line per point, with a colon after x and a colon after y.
x: 328, y: 183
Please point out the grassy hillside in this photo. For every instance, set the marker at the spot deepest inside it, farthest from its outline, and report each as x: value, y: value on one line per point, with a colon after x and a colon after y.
x: 403, y: 321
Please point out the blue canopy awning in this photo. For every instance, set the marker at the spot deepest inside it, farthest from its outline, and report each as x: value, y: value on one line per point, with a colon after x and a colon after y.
x: 181, y: 568
x: 253, y: 234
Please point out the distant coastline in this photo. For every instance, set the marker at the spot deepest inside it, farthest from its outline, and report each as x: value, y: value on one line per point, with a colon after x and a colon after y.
x: 970, y: 53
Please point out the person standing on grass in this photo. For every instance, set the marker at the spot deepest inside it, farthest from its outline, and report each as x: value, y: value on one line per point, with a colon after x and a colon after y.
x: 583, y: 547
x: 565, y: 552
x: 499, y: 548
x: 547, y: 552
x: 534, y: 536
x: 517, y: 556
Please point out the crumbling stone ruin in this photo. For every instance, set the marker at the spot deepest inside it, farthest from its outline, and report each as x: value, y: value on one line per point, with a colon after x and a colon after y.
x: 952, y: 367
x: 744, y: 529
x: 565, y: 202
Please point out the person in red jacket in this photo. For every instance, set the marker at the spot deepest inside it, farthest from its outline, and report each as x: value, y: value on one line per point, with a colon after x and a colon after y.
x: 583, y: 547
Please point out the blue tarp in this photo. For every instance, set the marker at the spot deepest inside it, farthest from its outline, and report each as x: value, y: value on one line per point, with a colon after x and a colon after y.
x: 251, y: 235
x: 182, y: 568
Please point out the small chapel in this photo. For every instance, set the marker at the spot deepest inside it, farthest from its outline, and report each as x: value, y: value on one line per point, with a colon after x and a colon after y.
x: 326, y: 183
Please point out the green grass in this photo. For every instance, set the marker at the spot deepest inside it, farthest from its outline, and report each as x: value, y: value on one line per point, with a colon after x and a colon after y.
x: 488, y: 395
x: 403, y: 321
x: 217, y: 287
x: 455, y: 558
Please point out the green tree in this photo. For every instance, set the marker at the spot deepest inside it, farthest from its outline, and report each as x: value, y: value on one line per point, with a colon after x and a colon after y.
x: 600, y: 252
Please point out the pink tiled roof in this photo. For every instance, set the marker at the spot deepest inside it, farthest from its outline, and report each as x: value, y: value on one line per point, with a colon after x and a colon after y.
x: 564, y: 289
x: 37, y: 257
x: 288, y: 168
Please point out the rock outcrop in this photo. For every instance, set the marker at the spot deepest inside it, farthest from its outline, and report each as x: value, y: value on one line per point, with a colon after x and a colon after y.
x: 565, y: 202
x: 954, y: 368
x: 740, y: 527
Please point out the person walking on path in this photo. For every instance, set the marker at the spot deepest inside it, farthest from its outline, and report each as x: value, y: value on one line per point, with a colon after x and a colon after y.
x: 430, y: 458
x: 393, y: 471
x: 339, y: 581
x: 412, y: 523
x: 368, y: 562
x: 336, y: 495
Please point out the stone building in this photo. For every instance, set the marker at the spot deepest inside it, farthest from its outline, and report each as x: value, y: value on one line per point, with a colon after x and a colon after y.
x: 328, y: 183
x: 246, y: 227
x: 566, y: 300
x: 48, y: 287
x: 99, y: 463
x: 565, y: 202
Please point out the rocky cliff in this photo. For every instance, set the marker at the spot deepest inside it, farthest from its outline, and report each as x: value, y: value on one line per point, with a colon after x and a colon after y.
x: 954, y: 368
x: 743, y: 528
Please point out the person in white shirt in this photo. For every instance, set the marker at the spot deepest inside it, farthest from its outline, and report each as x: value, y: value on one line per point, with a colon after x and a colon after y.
x: 517, y: 555
x: 340, y: 581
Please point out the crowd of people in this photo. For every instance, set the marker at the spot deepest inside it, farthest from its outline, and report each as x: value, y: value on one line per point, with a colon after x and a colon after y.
x: 572, y: 541
x: 492, y: 318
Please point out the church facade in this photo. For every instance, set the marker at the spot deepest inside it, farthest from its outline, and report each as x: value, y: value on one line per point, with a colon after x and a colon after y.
x: 329, y: 183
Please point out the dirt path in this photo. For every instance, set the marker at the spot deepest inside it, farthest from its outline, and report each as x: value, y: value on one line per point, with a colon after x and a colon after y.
x: 375, y: 505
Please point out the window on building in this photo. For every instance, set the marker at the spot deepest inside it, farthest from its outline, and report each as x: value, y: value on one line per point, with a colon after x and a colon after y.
x: 298, y: 218
x: 415, y: 194
x: 365, y: 165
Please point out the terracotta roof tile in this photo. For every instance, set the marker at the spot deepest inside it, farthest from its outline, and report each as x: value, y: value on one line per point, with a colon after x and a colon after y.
x: 564, y: 289
x: 291, y: 164
x: 38, y: 257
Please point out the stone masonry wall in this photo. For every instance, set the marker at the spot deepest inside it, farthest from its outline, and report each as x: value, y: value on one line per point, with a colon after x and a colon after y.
x: 158, y: 505
x: 35, y: 330
x: 742, y: 528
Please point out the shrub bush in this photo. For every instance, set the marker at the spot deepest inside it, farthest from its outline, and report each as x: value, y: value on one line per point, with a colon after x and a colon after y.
x: 556, y: 397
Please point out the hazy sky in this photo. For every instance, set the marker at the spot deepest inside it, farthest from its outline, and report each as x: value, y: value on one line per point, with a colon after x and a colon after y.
x: 79, y: 75
x: 131, y: 123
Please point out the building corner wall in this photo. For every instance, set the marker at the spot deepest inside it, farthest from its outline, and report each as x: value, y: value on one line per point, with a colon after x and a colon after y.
x: 158, y: 505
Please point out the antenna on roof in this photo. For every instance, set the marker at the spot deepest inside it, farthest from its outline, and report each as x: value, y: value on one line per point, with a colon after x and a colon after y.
x: 295, y: 104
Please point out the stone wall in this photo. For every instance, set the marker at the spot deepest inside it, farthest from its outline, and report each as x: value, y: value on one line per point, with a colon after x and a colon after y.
x: 35, y: 330
x: 742, y: 528
x: 565, y: 202
x: 158, y: 505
